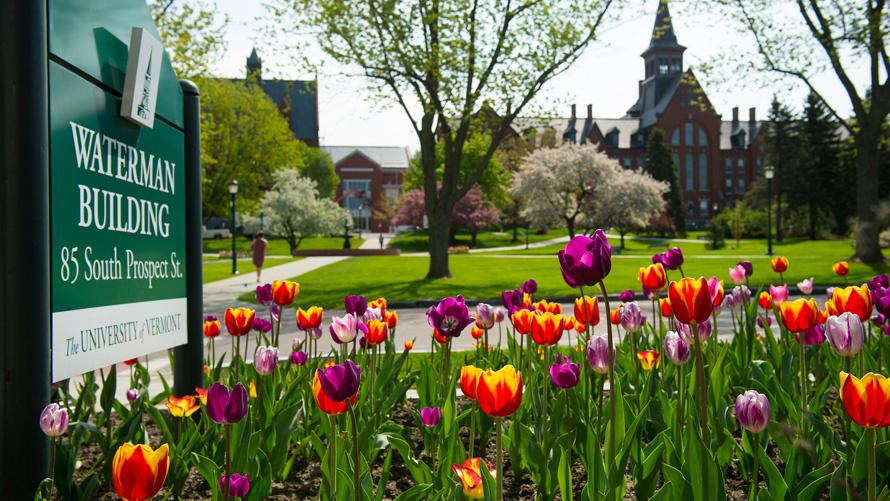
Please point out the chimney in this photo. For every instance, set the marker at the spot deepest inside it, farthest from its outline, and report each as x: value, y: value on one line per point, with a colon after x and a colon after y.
x: 735, y: 114
x: 589, y: 111
x: 752, y: 115
x: 573, y: 111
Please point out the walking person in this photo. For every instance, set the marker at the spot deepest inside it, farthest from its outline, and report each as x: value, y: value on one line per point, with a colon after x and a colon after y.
x: 381, y: 240
x: 259, y: 245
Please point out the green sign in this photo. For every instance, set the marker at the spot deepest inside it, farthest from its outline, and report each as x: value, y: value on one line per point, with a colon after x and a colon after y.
x: 117, y: 190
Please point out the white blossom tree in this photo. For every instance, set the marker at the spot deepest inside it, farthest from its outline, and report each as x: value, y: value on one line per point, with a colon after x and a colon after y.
x: 560, y: 186
x: 294, y: 209
x: 629, y: 199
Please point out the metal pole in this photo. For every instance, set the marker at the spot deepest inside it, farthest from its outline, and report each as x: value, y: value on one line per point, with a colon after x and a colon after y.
x: 527, y: 228
x: 188, y: 359
x: 234, y: 251
x: 769, y: 217
x: 24, y: 247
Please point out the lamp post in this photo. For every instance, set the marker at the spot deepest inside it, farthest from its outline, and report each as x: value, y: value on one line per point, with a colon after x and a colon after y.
x: 233, y: 190
x: 528, y: 226
x: 714, y: 208
x: 769, y: 172
x: 262, y: 225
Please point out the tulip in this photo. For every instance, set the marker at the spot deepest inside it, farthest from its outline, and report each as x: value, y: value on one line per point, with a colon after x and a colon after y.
x: 131, y: 361
x: 841, y: 268
x: 226, y: 408
x: 438, y: 337
x: 499, y: 314
x: 881, y: 299
x: 264, y: 294
x: 564, y: 373
x: 265, y: 360
x: 748, y: 266
x: 430, y: 416
x: 856, y: 300
x: 799, y: 316
x: 780, y: 264
x: 522, y: 321
x: 691, y: 300
x: 805, y: 286
x: 476, y: 332
x: 54, y: 420
x: 182, y: 407
x: 500, y: 392
x: 649, y: 294
x: 391, y: 319
x: 626, y: 296
x: 665, y: 306
x: 325, y: 403
x: 769, y: 322
x: 545, y: 306
x: 356, y: 305
x: 882, y: 280
x: 765, y: 301
x: 469, y: 380
x: 715, y: 287
x: 344, y: 329
x: 597, y: 354
x: 284, y: 292
x: 815, y: 336
x: 132, y: 395
x: 380, y: 304
x: 729, y: 302
x: 485, y: 315
x: 653, y: 277
x: 530, y: 286
x: 372, y: 313
x: 672, y: 259
x: 658, y: 259
x: 377, y: 332
x: 512, y: 300
x: 239, y: 321
x: 298, y: 357
x: 587, y: 310
x: 138, y: 472
x: 615, y: 315
x: 470, y: 476
x: 409, y: 345
x: 845, y: 334
x: 340, y: 382
x: 450, y: 317
x: 586, y: 261
x: 648, y: 359
x: 675, y: 349
x: 631, y: 318
x: 741, y: 294
x: 737, y: 275
x: 867, y: 403
x: 687, y: 335
x: 212, y: 328
x: 752, y: 411
x: 778, y: 294
x: 310, y: 319
x: 546, y: 328
x: 237, y: 485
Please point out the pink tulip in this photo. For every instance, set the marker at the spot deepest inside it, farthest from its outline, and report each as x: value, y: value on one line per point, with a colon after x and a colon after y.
x: 806, y: 286
x: 737, y: 274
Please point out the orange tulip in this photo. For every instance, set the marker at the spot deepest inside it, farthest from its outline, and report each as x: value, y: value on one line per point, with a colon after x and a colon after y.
x: 138, y: 472
x: 615, y: 315
x: 841, y: 268
x: 830, y: 308
x: 439, y: 338
x: 544, y: 306
x: 574, y: 323
x: 202, y: 395
x: 311, y: 318
x: 239, y: 321
x: 546, y: 329
x: 665, y: 305
x: 522, y: 321
x: 409, y: 345
x: 866, y: 401
x: 653, y: 277
x: 470, y: 476
x: 377, y: 331
x: 500, y: 392
x: 821, y: 317
x: 476, y: 332
x: 691, y: 300
x: 469, y: 380
x: 327, y: 405
x: 856, y: 300
x: 765, y: 301
x: 799, y: 316
x: 780, y: 264
x: 252, y: 391
x: 284, y: 293
x: 648, y: 359
x: 379, y: 303
x: 212, y: 328
x: 391, y: 318
x: 184, y: 406
x: 526, y: 300
x: 588, y: 312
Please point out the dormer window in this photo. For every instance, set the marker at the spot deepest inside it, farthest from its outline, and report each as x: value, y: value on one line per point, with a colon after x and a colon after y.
x: 675, y: 65
x: 612, y: 138
x: 738, y: 141
x: 662, y: 66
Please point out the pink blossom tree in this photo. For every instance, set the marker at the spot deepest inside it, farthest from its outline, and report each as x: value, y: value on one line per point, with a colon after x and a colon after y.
x: 470, y: 212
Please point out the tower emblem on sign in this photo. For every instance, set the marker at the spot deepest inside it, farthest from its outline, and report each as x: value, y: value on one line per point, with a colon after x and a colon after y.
x: 141, y: 85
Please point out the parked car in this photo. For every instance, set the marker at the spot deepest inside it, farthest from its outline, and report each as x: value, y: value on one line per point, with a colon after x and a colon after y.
x: 214, y: 234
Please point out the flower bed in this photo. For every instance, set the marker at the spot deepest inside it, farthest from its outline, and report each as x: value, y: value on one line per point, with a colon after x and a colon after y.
x: 459, y: 249
x: 241, y: 254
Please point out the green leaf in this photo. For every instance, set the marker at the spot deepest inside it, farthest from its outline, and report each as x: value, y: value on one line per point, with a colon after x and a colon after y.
x: 565, y: 476
x: 416, y: 493
x: 681, y: 489
x: 701, y: 466
x: 210, y: 471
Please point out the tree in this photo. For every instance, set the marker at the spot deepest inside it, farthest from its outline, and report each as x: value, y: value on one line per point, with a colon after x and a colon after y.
x: 511, y: 155
x: 295, y: 209
x: 447, y: 64
x: 658, y: 161
x: 818, y: 132
x: 824, y: 37
x: 243, y: 137
x: 193, y: 34
x: 784, y: 146
x: 628, y: 199
x: 320, y: 168
x: 559, y: 186
x: 470, y: 212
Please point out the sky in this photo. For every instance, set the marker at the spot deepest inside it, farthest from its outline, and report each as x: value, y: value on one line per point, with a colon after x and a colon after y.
x: 606, y: 76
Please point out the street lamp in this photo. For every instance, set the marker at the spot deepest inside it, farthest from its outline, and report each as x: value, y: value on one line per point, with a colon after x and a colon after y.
x: 769, y: 172
x: 715, y: 208
x: 233, y: 190
x: 262, y: 225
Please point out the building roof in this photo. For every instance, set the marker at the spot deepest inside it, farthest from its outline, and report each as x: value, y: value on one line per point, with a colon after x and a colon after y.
x: 663, y: 32
x: 300, y: 95
x: 651, y: 111
x: 387, y: 157
x: 563, y: 126
x: 728, y: 129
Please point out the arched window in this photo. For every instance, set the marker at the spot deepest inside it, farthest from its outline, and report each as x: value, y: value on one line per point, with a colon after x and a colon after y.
x: 675, y: 137
x: 689, y: 138
x: 702, y: 137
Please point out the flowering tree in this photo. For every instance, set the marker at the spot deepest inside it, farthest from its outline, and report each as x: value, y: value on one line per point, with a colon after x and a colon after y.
x: 559, y: 186
x: 629, y: 199
x: 469, y: 212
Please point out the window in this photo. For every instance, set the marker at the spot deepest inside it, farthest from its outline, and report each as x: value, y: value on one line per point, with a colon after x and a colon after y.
x: 690, y: 184
x: 627, y: 163
x: 703, y: 207
x: 688, y: 137
x: 759, y: 164
x: 662, y: 66
x: 728, y: 185
x: 675, y: 137
x: 677, y: 167
x: 612, y: 138
x: 702, y: 137
x: 703, y: 172
x: 741, y: 186
x: 729, y: 166
x: 690, y: 208
x: 675, y: 65
x: 741, y: 165
x: 738, y: 141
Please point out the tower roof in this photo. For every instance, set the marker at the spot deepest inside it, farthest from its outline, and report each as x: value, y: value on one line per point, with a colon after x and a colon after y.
x: 254, y: 59
x: 663, y: 32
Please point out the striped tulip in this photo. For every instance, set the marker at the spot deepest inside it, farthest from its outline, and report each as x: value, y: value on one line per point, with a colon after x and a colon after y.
x: 778, y: 294
x: 845, y: 334
x: 841, y: 268
x: 377, y: 332
x: 765, y: 300
x: 409, y: 345
x: 284, y: 292
x: 500, y: 392
x: 545, y: 306
x: 691, y: 300
x: 648, y: 359
x: 522, y: 321
x: 476, y: 332
x: 310, y: 319
x: 653, y: 277
x: 239, y: 321
x: 856, y: 300
x: 469, y: 380
x: 185, y: 406
x: 867, y: 401
x: 392, y: 319
x: 470, y: 476
x: 717, y: 292
x: 752, y: 411
x: 780, y: 264
x: 799, y: 316
x: 212, y: 328
x: 138, y: 472
x: 546, y: 329
x: 587, y: 310
x: 665, y: 306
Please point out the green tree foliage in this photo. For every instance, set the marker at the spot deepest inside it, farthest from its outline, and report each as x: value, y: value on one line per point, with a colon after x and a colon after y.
x: 818, y: 188
x: 320, y: 168
x: 495, y: 181
x: 511, y: 155
x: 243, y: 137
x: 658, y: 161
x: 447, y: 64
x: 785, y: 148
x: 193, y: 33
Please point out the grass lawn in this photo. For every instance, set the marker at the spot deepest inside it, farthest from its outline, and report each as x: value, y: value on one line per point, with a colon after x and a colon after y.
x: 278, y: 246
x: 480, y: 277
x: 418, y: 241
x: 218, y: 269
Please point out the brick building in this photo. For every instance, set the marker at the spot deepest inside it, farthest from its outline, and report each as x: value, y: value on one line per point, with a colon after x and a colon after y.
x: 715, y: 160
x: 368, y: 176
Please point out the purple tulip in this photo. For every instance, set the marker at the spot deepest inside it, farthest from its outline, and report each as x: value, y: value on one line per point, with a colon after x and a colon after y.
x: 238, y: 485
x: 881, y: 298
x: 431, y: 416
x: 296, y: 344
x: 372, y: 314
x: 265, y: 360
x: 778, y: 294
x: 729, y: 301
x: 649, y: 294
x: 261, y: 325
x: 830, y: 292
x: 882, y: 280
x: 769, y: 322
x: 275, y: 311
x: 626, y: 296
x: 450, y: 317
x: 658, y: 259
x: 298, y: 357
x: 672, y: 259
x: 54, y: 420
x: 688, y: 336
x: 499, y: 314
x: 741, y: 294
x: 356, y: 305
x: 631, y: 318
x: 226, y: 408
x: 879, y: 319
x: 752, y: 411
x: 748, y: 266
x: 132, y: 395
x: 264, y: 294
x: 485, y: 315
x: 530, y: 286
x: 805, y: 286
x: 362, y: 342
x: 675, y: 349
x: 210, y: 318
x: 340, y: 382
x: 586, y: 261
x: 316, y: 333
x: 512, y: 300
x: 815, y: 336
x: 564, y: 373
x: 845, y: 333
x: 597, y: 354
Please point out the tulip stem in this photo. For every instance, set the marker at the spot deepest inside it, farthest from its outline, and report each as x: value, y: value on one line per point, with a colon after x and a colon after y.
x: 544, y: 417
x: 680, y: 409
x: 472, y: 428
x: 755, y: 471
x: 847, y: 431
x: 52, y: 466
x: 237, y: 358
x: 569, y: 426
x: 228, y: 481
x: 803, y: 386
x: 333, y: 451
x: 610, y: 452
x: 702, y: 388
x: 355, y: 463
x: 500, y: 470
x: 870, y: 437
